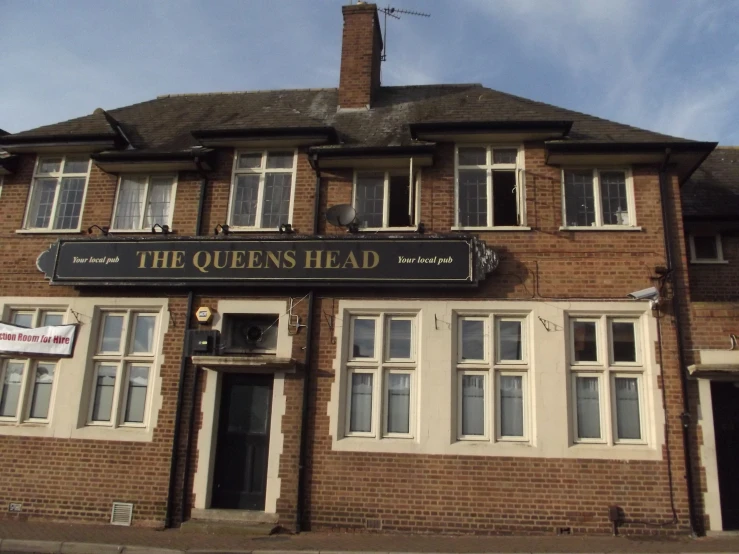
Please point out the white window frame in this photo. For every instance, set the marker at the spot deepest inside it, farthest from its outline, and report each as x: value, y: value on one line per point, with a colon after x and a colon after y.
x: 606, y: 370
x: 492, y: 367
x: 380, y: 366
x: 413, y: 198
x: 719, y: 259
x: 30, y: 365
x: 58, y: 175
x: 597, y: 201
x: 490, y: 167
x: 148, y: 177
x: 123, y: 360
x: 261, y: 171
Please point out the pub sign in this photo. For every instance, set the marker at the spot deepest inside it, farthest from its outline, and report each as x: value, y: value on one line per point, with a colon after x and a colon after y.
x: 271, y: 261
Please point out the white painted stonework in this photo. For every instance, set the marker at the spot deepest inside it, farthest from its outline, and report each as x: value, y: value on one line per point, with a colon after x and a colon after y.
x: 72, y: 390
x: 550, y: 431
x: 207, y: 437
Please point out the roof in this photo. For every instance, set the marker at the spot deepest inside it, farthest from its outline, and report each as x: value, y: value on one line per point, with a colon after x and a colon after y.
x: 166, y: 123
x: 713, y: 189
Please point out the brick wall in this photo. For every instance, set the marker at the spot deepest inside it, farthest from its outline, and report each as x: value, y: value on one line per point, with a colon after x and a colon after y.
x: 408, y: 492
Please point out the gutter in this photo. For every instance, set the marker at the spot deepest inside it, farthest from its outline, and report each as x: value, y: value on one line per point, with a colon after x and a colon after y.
x: 303, y: 452
x: 695, y: 527
x: 180, y: 383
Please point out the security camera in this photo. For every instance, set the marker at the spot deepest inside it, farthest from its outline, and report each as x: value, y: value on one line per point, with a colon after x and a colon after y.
x: 645, y: 294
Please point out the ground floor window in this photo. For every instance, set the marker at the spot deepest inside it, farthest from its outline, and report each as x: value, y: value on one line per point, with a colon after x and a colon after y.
x: 381, y: 370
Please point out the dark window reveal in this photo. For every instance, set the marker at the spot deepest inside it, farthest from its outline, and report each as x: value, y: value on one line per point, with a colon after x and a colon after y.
x: 399, y: 200
x: 505, y: 205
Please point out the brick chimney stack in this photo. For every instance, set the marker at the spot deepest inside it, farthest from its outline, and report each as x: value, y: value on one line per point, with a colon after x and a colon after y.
x: 361, y: 48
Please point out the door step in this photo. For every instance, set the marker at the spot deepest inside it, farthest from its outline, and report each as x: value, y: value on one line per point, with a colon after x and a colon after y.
x: 236, y: 522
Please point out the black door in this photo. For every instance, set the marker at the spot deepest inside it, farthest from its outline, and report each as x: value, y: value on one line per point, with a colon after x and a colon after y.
x: 725, y: 397
x: 240, y: 477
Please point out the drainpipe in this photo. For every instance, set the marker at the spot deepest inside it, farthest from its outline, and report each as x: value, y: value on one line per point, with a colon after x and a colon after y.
x: 183, y: 366
x: 685, y: 416
x: 303, y: 454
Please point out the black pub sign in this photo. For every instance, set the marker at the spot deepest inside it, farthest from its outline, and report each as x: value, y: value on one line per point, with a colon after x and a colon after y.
x: 269, y: 261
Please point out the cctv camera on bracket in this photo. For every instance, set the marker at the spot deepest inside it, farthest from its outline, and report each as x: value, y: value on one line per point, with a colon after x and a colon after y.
x: 651, y: 294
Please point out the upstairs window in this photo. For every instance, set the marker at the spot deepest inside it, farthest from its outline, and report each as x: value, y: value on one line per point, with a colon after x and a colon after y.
x: 262, y: 189
x: 706, y: 248
x: 598, y: 198
x: 384, y: 199
x: 26, y: 385
x: 489, y: 187
x: 57, y: 192
x: 143, y: 201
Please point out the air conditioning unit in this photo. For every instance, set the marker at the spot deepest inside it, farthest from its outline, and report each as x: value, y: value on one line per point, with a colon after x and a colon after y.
x: 250, y: 333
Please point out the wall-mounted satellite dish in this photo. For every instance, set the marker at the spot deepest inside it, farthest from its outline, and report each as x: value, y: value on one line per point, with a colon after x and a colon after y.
x: 341, y: 215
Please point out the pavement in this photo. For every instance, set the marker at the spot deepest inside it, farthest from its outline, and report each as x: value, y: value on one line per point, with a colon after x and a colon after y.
x: 55, y: 538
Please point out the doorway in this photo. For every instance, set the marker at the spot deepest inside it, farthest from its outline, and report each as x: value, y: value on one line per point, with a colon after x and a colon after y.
x: 242, y: 448
x: 725, y: 397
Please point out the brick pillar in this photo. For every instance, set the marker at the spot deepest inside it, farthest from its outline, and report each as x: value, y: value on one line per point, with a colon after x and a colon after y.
x: 361, y: 48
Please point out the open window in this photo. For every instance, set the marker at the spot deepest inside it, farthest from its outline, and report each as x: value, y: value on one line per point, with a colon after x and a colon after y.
x: 385, y: 199
x: 489, y: 184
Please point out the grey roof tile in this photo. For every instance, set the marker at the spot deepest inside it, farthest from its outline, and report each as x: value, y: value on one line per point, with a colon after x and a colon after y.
x: 165, y: 123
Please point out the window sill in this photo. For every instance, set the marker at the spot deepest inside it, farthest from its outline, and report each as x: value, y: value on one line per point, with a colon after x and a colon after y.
x: 387, y: 229
x: 232, y: 230
x: 709, y: 262
x: 48, y: 231
x: 613, y: 228
x: 488, y: 229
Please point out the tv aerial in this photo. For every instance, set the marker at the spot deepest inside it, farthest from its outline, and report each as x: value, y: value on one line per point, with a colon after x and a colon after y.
x: 343, y: 215
x: 395, y: 13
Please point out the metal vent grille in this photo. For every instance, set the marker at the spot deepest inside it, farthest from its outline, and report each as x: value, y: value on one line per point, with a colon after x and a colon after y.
x: 121, y: 514
x: 373, y: 523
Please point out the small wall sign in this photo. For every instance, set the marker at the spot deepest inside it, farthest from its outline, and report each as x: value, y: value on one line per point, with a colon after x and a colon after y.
x: 203, y: 314
x: 15, y: 507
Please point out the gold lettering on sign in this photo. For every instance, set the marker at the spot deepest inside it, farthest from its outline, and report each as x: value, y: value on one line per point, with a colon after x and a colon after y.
x: 255, y: 259
x: 201, y: 260
x: 142, y: 258
x: 273, y: 257
x: 159, y: 259
x: 217, y: 259
x: 331, y: 262
x: 370, y: 255
x: 177, y: 260
x: 237, y: 261
x: 351, y: 261
x: 313, y: 259
x: 289, y: 258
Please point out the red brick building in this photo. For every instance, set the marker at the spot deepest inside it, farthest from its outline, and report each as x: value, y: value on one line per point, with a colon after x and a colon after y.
x: 711, y: 214
x: 479, y: 339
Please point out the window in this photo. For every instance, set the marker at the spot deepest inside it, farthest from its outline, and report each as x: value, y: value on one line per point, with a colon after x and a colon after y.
x: 607, y: 374
x: 26, y: 386
x: 123, y: 361
x: 57, y: 193
x: 492, y: 373
x: 598, y: 198
x: 706, y: 248
x: 143, y: 201
x: 384, y: 199
x: 381, y: 370
x: 261, y: 195
x: 489, y: 187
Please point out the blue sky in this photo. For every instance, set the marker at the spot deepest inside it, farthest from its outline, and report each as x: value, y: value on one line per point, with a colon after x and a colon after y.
x: 667, y: 65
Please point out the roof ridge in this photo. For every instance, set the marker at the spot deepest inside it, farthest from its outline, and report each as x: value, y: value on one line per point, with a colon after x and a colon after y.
x: 455, y: 85
x: 179, y: 94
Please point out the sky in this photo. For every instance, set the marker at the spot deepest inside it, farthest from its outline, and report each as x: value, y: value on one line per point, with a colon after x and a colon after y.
x: 670, y: 66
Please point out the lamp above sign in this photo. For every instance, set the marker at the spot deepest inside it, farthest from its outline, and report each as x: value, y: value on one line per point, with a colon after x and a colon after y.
x: 269, y: 261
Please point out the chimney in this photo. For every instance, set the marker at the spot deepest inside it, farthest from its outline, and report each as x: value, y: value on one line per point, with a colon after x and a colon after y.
x: 361, y: 48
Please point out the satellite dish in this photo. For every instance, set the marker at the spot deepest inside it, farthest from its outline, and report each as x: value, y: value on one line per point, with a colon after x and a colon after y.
x: 341, y: 215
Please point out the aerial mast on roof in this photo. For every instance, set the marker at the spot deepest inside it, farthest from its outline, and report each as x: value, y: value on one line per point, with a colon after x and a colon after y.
x: 394, y: 13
